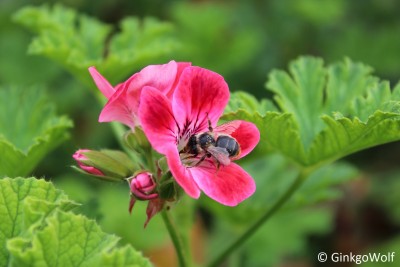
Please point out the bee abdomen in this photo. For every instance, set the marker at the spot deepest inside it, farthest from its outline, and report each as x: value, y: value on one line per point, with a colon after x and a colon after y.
x: 229, y: 144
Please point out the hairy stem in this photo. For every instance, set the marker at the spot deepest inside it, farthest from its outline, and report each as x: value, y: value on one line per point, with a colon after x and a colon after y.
x: 261, y: 221
x: 175, y: 238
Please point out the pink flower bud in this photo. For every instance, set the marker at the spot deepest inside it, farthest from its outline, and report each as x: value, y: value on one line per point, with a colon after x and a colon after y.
x: 80, y: 158
x: 142, y: 186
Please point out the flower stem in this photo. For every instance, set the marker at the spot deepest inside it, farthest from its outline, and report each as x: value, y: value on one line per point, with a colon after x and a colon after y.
x: 264, y: 218
x: 175, y: 238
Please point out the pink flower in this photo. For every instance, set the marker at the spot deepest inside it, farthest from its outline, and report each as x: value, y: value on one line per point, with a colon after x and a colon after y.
x: 199, y: 98
x: 81, y: 158
x: 143, y: 187
x: 123, y: 100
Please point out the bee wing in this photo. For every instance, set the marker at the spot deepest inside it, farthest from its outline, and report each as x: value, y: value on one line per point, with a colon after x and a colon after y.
x: 228, y: 127
x: 220, y: 154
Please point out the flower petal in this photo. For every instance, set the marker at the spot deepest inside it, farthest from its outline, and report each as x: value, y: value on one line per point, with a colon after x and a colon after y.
x: 200, y: 95
x: 157, y: 120
x: 245, y: 133
x: 163, y: 77
x: 117, y: 109
x: 229, y: 185
x: 181, y: 174
x: 101, y: 83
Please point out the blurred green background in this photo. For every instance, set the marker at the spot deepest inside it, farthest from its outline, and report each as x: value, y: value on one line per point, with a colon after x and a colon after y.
x: 243, y: 41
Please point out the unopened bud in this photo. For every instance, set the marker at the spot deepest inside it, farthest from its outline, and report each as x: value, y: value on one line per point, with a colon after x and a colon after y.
x: 142, y: 187
x: 81, y: 158
x: 105, y: 164
x: 136, y: 140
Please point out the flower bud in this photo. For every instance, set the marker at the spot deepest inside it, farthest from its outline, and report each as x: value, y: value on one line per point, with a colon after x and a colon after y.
x: 81, y: 158
x: 136, y: 140
x: 105, y: 164
x: 142, y: 186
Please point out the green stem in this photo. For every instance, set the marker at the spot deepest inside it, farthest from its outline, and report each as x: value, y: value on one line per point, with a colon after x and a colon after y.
x: 175, y: 238
x: 264, y: 218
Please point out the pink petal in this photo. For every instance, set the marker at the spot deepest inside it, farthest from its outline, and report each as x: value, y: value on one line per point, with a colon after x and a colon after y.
x: 157, y: 120
x: 162, y: 77
x: 79, y: 157
x: 117, y: 109
x: 90, y: 169
x: 181, y: 174
x: 229, y: 185
x: 200, y: 95
x: 101, y: 83
x: 181, y: 68
x: 245, y: 133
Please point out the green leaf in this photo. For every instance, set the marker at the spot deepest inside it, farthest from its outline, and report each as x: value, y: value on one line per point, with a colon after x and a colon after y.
x: 111, y: 210
x: 38, y: 230
x: 13, y: 194
x: 326, y: 112
x: 29, y: 129
x: 77, y: 42
x: 246, y: 102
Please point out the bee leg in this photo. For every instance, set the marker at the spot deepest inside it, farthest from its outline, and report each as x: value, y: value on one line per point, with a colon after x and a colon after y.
x: 210, y: 129
x: 200, y: 161
x: 218, y: 165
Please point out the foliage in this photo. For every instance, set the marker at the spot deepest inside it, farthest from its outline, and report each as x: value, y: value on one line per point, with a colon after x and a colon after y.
x: 226, y: 45
x: 29, y: 129
x: 326, y: 113
x: 111, y: 211
x: 280, y: 237
x: 285, y: 236
x: 38, y: 229
x: 77, y: 41
x: 319, y: 113
x: 273, y: 174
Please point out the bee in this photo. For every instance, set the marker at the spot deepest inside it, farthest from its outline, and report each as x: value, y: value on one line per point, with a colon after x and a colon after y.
x: 222, y: 149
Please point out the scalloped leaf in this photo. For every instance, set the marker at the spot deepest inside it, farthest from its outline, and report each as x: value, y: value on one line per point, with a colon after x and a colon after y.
x: 77, y: 41
x: 13, y: 194
x: 246, y: 102
x: 326, y: 112
x: 29, y: 129
x: 38, y: 230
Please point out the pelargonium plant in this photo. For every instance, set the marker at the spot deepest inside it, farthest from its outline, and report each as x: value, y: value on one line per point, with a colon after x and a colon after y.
x: 177, y: 107
x: 182, y: 133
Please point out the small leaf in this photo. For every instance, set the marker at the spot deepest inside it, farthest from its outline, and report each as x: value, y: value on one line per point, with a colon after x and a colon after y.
x: 29, y: 129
